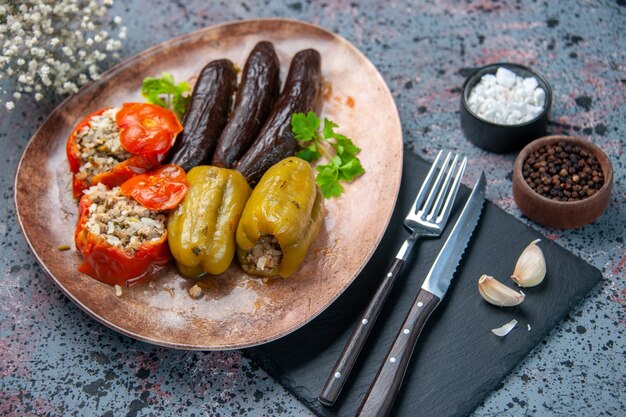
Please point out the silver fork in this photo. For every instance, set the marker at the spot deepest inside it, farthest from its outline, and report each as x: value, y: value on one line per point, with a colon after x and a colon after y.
x: 426, y: 218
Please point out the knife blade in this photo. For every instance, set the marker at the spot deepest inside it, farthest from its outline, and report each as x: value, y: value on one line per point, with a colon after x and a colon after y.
x: 441, y: 273
x: 382, y: 392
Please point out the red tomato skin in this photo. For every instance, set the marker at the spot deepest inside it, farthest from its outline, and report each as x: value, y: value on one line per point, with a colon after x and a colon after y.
x: 71, y: 148
x: 78, y: 186
x: 163, y: 135
x: 73, y: 154
x: 120, y: 173
x: 147, y: 128
x: 137, y: 164
x: 110, y: 264
x: 162, y: 189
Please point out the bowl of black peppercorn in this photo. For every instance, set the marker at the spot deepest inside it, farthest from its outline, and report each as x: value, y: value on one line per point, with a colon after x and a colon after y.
x: 562, y: 182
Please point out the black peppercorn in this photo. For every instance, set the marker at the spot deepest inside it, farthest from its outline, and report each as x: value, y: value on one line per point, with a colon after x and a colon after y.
x: 563, y: 172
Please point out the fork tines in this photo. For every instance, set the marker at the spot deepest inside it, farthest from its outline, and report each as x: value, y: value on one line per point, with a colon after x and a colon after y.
x: 436, y: 196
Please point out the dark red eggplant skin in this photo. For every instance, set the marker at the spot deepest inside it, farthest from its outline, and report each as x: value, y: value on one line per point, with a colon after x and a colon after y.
x: 257, y: 93
x: 206, y: 115
x: 276, y: 141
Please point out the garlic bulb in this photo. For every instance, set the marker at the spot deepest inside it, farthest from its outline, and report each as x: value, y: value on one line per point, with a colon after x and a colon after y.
x: 531, y: 266
x: 498, y: 294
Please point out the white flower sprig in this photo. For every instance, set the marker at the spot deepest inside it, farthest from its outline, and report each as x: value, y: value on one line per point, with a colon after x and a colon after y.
x: 54, y: 45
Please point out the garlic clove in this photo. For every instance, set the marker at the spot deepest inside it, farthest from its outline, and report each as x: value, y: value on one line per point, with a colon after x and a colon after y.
x: 530, y: 269
x: 498, y: 294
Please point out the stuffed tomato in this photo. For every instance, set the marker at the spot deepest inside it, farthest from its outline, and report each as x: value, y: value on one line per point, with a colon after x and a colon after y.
x: 113, y: 145
x: 121, y: 241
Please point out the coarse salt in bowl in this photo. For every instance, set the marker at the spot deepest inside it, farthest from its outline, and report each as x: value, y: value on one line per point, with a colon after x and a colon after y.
x: 504, y: 106
x: 506, y: 98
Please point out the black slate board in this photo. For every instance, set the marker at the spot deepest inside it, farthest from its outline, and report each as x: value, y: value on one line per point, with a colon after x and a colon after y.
x: 457, y: 361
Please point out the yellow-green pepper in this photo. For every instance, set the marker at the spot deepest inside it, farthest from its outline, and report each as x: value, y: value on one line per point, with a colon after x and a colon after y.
x: 281, y: 220
x: 201, y: 231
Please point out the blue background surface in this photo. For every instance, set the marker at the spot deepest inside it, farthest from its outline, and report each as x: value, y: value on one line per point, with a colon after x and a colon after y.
x: 55, y: 360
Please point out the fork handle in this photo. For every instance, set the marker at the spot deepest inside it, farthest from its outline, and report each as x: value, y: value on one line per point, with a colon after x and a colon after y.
x: 345, y: 363
x: 380, y: 397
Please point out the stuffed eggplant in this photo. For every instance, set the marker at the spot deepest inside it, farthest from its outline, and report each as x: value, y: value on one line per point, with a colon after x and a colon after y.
x: 112, y: 145
x: 276, y: 141
x: 206, y: 115
x: 258, y: 90
x: 281, y: 220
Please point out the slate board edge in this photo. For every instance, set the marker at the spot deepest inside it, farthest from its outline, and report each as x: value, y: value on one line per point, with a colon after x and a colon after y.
x: 273, y: 370
x: 309, y: 399
x: 543, y: 335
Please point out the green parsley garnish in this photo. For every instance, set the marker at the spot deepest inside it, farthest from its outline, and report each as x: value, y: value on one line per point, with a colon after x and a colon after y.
x: 343, y: 164
x: 166, y: 93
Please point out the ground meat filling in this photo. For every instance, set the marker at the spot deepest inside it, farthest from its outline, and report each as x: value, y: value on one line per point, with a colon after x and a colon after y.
x: 266, y: 255
x: 121, y: 220
x: 100, y: 146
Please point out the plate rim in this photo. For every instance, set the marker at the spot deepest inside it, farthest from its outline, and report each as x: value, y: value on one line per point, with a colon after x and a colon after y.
x: 138, y: 56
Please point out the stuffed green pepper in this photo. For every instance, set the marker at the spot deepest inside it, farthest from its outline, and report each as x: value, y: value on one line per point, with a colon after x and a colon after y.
x: 281, y: 220
x: 201, y: 231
